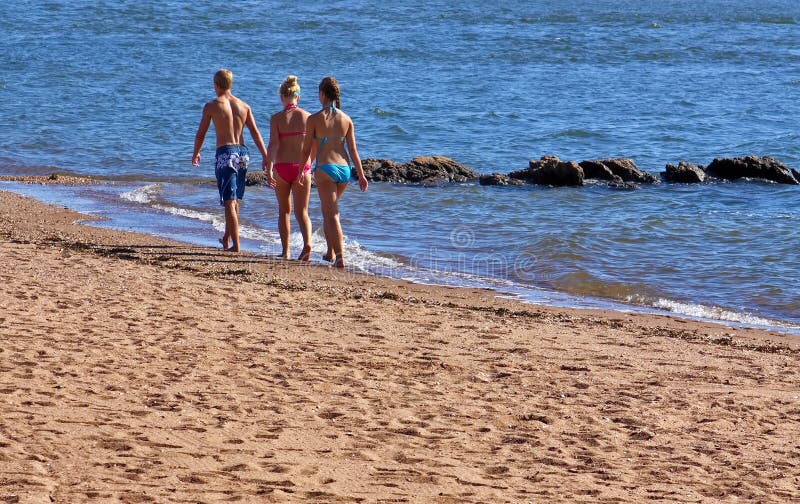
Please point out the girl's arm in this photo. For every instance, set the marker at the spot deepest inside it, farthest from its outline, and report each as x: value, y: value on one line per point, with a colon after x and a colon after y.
x: 272, y: 151
x: 351, y: 146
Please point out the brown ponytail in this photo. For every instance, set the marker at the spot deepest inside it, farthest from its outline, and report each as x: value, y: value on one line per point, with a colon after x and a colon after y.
x: 330, y: 88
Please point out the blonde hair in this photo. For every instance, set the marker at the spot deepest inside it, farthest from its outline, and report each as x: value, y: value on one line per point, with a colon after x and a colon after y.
x: 223, y: 78
x: 330, y: 88
x: 290, y: 87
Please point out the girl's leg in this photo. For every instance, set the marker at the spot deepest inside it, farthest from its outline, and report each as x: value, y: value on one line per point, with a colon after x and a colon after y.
x: 301, y: 195
x: 282, y: 193
x: 329, y: 193
x: 339, y: 261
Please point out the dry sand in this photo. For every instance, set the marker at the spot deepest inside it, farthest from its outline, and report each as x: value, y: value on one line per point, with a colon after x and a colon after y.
x: 133, y: 369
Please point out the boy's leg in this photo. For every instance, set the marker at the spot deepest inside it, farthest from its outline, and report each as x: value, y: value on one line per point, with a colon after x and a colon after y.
x: 240, y: 181
x: 232, y: 224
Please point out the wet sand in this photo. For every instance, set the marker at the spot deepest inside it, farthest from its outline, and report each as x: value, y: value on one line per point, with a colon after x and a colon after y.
x: 135, y: 369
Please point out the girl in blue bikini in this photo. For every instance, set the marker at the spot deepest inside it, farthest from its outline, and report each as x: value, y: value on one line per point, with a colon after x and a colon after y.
x: 333, y: 129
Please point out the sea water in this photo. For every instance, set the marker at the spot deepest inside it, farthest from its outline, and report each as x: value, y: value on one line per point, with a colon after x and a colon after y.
x: 115, y: 89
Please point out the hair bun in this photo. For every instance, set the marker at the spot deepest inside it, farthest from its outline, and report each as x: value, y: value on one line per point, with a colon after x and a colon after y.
x: 289, y: 86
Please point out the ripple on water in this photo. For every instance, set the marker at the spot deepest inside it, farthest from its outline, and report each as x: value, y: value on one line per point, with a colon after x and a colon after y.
x: 383, y: 113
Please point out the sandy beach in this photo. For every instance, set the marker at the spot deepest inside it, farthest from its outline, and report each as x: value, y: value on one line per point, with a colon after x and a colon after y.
x: 135, y: 369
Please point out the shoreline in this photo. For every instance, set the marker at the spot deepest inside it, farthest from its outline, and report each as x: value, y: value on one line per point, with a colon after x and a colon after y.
x: 141, y: 369
x: 729, y: 318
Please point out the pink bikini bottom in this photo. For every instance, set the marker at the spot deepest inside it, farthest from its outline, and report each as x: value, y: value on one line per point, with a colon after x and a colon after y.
x: 289, y: 171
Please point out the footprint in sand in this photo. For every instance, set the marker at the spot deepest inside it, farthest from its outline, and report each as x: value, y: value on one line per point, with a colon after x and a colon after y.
x: 192, y: 479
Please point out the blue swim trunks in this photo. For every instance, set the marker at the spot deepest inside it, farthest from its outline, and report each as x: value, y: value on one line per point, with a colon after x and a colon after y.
x: 230, y: 168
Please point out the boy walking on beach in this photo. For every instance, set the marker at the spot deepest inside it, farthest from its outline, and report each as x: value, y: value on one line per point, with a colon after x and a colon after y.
x: 230, y: 115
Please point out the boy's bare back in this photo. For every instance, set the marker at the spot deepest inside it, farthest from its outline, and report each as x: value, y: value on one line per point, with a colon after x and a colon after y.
x: 229, y: 115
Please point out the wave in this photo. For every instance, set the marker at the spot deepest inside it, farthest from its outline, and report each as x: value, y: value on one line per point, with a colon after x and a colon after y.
x: 777, y: 20
x: 397, y: 131
x: 359, y: 257
x: 217, y: 221
x: 576, y: 133
x: 718, y: 313
x: 145, y: 194
x: 383, y: 113
x: 269, y: 241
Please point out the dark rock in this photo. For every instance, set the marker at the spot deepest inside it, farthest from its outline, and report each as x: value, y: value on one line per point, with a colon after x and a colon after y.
x: 796, y: 174
x: 528, y: 174
x: 544, y: 160
x: 684, y: 173
x: 428, y: 170
x: 380, y: 170
x: 440, y: 167
x: 626, y: 169
x: 765, y: 168
x: 567, y: 173
x: 525, y: 175
x: 550, y: 170
x: 499, y: 179
x: 256, y: 178
x: 597, y: 170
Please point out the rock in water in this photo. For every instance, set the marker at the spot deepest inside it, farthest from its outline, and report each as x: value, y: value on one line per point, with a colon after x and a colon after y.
x: 765, y: 168
x: 256, y: 178
x: 599, y: 171
x: 380, y: 170
x: 626, y: 169
x: 499, y: 179
x: 420, y: 170
x: 684, y: 173
x: 549, y: 170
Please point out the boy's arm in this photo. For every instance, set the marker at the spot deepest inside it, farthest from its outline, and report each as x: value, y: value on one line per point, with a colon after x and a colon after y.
x: 205, y: 122
x: 250, y: 122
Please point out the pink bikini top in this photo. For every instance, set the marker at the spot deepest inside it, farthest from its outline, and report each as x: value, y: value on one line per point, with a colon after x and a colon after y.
x: 291, y: 106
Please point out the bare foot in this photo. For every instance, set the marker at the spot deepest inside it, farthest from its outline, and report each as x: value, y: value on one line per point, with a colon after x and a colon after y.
x: 338, y: 263
x: 224, y: 242
x: 329, y: 256
x: 305, y: 255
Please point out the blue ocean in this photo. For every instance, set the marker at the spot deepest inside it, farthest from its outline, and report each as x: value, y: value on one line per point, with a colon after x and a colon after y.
x: 116, y: 89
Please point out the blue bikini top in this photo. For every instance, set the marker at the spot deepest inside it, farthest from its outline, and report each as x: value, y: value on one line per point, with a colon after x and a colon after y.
x: 323, y: 140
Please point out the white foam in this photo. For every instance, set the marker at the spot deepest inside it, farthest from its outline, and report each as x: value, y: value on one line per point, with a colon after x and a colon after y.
x: 715, y: 313
x: 357, y: 256
x: 216, y: 221
x: 362, y: 259
x: 270, y: 238
x: 145, y: 194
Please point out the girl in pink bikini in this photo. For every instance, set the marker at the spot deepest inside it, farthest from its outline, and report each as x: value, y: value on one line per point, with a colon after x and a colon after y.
x: 287, y: 133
